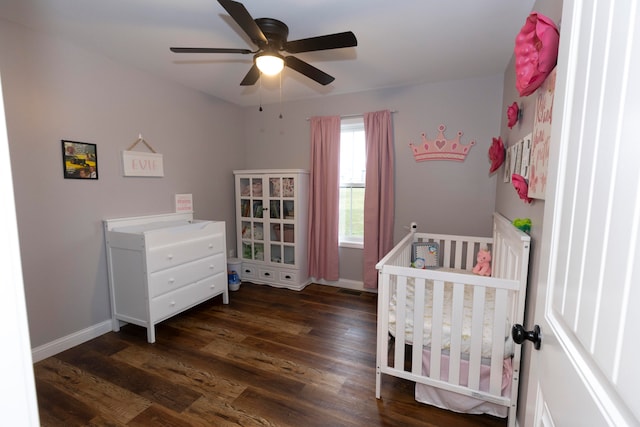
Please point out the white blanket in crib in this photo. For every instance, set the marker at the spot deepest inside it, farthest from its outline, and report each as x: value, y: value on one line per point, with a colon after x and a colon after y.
x: 487, y: 332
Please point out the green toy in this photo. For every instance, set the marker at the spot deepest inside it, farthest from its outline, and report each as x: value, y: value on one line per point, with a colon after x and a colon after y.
x: 523, y: 224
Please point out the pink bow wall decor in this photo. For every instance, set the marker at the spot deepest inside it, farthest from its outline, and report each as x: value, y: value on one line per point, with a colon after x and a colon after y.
x: 536, y: 52
x: 496, y: 154
x: 521, y: 186
x: 513, y: 114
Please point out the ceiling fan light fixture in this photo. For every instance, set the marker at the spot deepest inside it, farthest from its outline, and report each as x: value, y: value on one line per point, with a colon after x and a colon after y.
x: 269, y: 63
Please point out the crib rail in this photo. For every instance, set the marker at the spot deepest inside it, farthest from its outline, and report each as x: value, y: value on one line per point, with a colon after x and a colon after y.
x: 510, y: 250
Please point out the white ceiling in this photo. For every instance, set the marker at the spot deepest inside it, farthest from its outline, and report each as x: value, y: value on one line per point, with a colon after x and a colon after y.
x: 400, y: 42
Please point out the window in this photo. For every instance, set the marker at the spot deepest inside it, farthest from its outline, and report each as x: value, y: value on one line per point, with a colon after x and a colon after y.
x: 352, y: 182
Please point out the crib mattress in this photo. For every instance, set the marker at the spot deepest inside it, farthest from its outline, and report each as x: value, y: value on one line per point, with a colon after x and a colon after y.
x: 487, y: 329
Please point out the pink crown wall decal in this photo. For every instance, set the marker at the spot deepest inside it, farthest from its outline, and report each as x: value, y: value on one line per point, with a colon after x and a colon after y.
x: 441, y: 148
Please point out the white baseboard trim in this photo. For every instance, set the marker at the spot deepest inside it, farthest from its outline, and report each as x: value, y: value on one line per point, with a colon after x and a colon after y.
x: 344, y: 283
x: 65, y: 343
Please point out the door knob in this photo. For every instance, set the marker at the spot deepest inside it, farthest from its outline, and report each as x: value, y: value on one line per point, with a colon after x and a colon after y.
x: 519, y: 335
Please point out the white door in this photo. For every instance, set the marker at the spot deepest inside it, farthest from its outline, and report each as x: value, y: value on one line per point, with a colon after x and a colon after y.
x: 588, y: 371
x: 18, y: 403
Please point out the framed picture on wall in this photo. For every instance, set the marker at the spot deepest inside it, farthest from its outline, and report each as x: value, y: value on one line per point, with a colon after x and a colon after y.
x: 508, y: 165
x: 79, y: 160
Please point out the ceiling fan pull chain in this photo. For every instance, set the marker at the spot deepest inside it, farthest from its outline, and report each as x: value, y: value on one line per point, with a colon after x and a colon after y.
x: 280, y: 95
x: 260, y: 91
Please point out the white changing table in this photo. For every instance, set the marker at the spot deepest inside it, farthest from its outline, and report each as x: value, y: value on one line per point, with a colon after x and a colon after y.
x: 161, y: 265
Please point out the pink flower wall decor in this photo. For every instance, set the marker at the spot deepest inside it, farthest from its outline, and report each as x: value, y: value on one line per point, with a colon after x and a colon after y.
x: 536, y: 52
x: 513, y: 115
x: 521, y: 186
x: 496, y: 154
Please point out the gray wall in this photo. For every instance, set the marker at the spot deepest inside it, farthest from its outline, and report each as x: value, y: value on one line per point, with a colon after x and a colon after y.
x: 509, y: 204
x: 54, y: 91
x: 442, y: 196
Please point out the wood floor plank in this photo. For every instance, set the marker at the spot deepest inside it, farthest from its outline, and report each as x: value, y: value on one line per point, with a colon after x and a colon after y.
x: 271, y: 358
x: 226, y: 414
x: 278, y: 364
x: 272, y: 322
x: 178, y: 372
x: 287, y: 412
x: 107, y: 400
x: 159, y: 416
x: 58, y: 408
x: 153, y: 387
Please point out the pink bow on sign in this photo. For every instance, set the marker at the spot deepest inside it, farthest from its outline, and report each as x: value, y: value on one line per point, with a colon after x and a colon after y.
x: 536, y: 52
x: 513, y: 114
x: 496, y: 154
x: 521, y: 186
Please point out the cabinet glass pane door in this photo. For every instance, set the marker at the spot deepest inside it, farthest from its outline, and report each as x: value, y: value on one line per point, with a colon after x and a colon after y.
x: 275, y: 187
x: 252, y: 213
x: 288, y: 211
x: 288, y: 187
x: 276, y: 233
x: 247, y: 230
x: 245, y: 187
x: 276, y: 253
x: 281, y: 215
x: 289, y: 255
x: 251, y: 187
x: 253, y: 251
x: 257, y: 209
x: 256, y: 187
x: 274, y: 209
x: 245, y: 208
x: 288, y: 236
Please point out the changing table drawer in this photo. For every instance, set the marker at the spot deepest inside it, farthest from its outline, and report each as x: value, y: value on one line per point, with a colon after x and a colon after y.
x: 176, y: 301
x: 169, y: 279
x: 169, y: 256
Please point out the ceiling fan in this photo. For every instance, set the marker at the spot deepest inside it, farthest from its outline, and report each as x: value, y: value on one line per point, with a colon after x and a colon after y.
x: 270, y: 35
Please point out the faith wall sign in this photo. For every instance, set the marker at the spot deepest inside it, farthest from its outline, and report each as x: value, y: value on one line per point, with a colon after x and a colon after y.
x: 135, y: 163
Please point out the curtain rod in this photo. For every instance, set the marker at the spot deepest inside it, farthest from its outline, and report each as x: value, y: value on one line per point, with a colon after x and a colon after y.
x: 348, y: 116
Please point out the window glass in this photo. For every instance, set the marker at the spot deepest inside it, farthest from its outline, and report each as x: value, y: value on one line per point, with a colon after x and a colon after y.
x: 352, y: 181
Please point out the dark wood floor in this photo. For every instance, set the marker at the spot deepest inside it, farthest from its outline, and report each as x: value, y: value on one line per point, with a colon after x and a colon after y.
x: 272, y: 357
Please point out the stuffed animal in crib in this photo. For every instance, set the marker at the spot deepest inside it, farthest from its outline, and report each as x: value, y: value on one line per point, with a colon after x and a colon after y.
x: 483, y: 267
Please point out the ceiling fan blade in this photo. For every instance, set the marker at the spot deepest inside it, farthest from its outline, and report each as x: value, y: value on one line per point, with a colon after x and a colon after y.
x: 330, y: 41
x: 207, y: 50
x: 240, y: 14
x: 308, y: 70
x: 252, y: 76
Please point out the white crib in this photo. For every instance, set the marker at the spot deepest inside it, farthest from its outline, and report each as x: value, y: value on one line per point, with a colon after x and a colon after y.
x: 456, y: 344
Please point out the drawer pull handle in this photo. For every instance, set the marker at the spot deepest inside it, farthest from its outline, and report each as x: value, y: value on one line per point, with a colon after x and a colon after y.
x: 173, y: 303
x: 287, y: 277
x: 170, y: 256
x: 210, y: 245
x: 247, y: 271
x: 172, y: 280
x: 211, y: 267
x: 267, y: 274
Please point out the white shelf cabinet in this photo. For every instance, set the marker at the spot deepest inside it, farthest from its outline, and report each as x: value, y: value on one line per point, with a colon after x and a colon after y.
x: 271, y: 224
x: 161, y: 265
